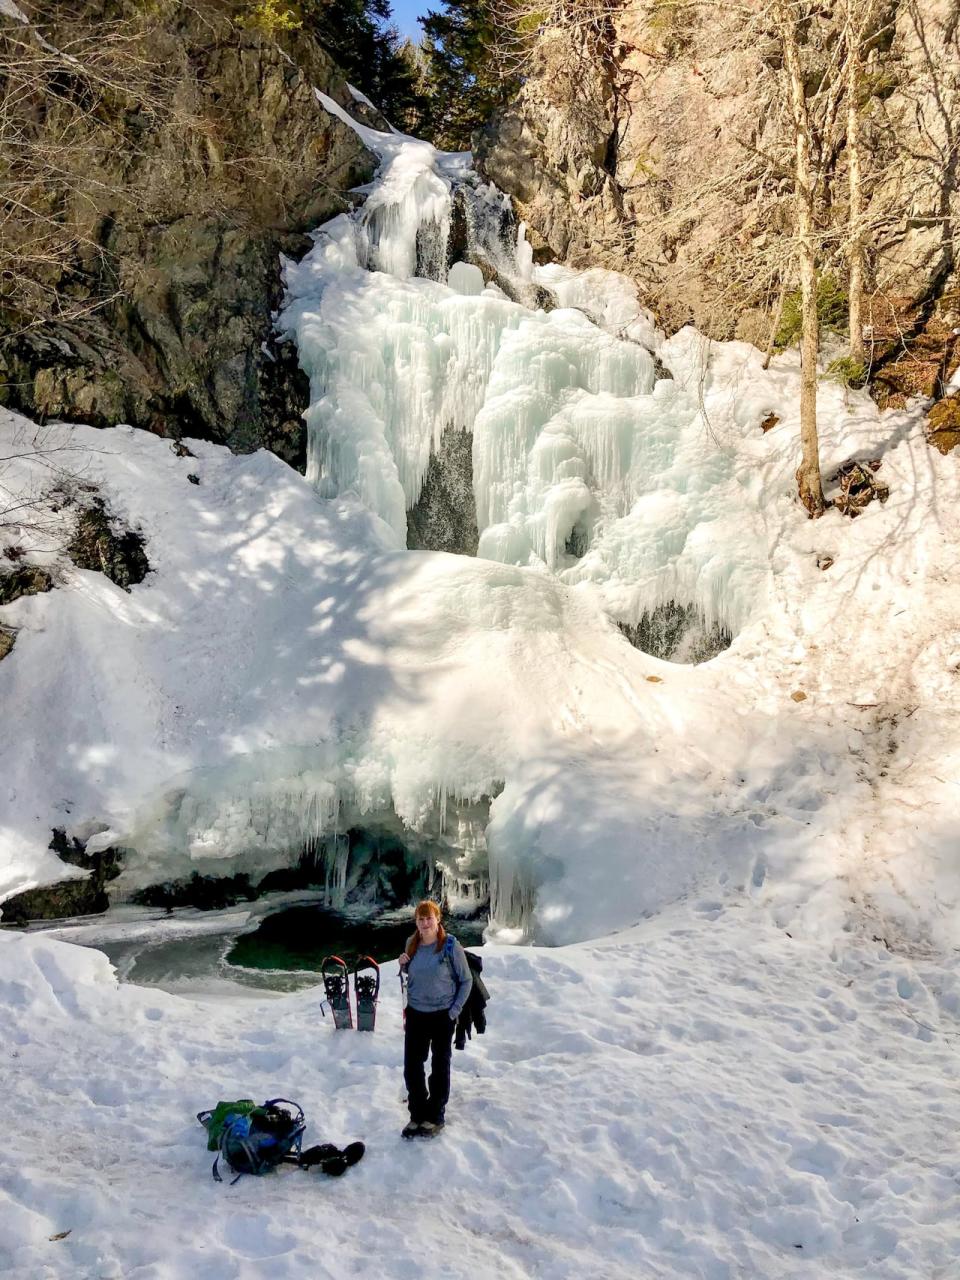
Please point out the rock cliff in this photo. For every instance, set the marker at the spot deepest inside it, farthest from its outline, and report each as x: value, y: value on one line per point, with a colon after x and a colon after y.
x: 658, y: 144
x: 176, y: 211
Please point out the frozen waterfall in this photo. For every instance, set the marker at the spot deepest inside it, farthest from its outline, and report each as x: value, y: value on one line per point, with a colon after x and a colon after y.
x: 584, y: 464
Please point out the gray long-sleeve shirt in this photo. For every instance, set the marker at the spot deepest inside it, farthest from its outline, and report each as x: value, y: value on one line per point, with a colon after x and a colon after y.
x: 437, y: 981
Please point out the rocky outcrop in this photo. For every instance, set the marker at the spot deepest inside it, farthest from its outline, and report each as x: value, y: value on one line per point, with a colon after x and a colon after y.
x: 28, y: 580
x: 178, y: 220
x: 445, y: 515
x: 658, y: 149
x: 944, y: 424
x: 86, y: 896
x: 551, y: 150
x: 102, y: 545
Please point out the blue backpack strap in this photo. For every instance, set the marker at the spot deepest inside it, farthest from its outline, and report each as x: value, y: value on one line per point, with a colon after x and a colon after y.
x: 216, y: 1171
x: 228, y: 1120
x: 225, y: 1134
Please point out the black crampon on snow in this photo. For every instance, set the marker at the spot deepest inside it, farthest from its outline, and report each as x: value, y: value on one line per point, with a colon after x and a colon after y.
x: 336, y: 984
x: 366, y: 988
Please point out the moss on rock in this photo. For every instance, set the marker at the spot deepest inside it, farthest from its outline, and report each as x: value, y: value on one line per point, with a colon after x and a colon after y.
x: 944, y: 424
x: 101, y: 547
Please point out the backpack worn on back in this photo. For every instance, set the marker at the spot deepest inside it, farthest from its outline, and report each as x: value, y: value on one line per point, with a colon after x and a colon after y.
x: 253, y: 1139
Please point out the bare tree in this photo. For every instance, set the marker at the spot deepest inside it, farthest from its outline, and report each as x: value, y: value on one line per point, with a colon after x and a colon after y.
x: 69, y: 87
x: 856, y: 15
x: 787, y: 17
x: 43, y: 459
x: 838, y: 187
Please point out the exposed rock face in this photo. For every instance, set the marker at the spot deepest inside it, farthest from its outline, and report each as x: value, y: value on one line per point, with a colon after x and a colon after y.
x: 99, y: 544
x: 28, y: 580
x: 944, y: 424
x: 185, y: 238
x: 659, y: 150
x: 68, y: 897
x: 678, y: 633
x: 551, y: 149
x: 208, y: 893
x: 445, y: 516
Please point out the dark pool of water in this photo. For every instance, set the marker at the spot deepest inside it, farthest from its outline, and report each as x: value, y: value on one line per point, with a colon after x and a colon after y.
x: 301, y: 937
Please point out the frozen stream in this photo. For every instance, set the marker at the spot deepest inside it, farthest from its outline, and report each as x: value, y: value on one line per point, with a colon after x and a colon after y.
x: 275, y: 944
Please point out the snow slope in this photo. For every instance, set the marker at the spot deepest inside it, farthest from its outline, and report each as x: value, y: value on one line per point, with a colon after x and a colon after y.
x: 352, y: 668
x: 358, y: 669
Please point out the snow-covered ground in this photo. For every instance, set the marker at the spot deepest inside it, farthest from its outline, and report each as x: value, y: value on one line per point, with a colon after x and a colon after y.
x: 703, y: 1096
x: 722, y: 1071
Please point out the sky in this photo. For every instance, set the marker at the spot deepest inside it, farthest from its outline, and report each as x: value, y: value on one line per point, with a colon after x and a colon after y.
x: 406, y: 13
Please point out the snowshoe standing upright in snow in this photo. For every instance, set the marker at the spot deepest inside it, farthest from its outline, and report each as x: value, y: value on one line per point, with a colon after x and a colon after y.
x: 366, y: 989
x: 336, y: 984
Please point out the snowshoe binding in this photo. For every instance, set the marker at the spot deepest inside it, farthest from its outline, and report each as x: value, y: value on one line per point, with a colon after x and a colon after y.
x: 366, y: 989
x: 336, y: 984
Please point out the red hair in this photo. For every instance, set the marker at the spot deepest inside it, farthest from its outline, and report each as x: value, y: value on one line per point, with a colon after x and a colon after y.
x: 426, y: 908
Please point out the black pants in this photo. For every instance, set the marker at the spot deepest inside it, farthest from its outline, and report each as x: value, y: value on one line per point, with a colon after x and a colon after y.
x: 427, y: 1033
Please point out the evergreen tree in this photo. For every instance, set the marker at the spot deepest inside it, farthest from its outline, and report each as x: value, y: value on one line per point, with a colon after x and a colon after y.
x: 403, y: 80
x: 355, y: 33
x: 352, y: 33
x: 465, y: 81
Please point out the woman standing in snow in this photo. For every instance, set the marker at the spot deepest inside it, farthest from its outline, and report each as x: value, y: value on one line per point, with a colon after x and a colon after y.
x: 438, y: 984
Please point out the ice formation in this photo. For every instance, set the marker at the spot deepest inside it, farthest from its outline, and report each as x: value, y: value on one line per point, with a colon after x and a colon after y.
x: 584, y: 464
x: 263, y: 811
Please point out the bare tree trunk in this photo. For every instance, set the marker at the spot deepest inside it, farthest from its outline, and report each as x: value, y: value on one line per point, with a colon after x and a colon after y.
x: 809, y: 483
x: 855, y: 251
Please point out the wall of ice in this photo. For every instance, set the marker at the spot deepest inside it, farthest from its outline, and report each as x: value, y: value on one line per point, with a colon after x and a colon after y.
x: 299, y: 811
x: 596, y: 457
x: 586, y: 464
